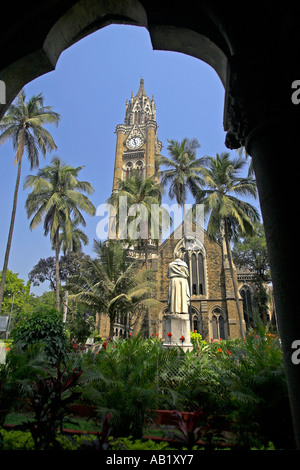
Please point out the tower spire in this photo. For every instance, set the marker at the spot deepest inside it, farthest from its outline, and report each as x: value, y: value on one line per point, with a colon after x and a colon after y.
x: 141, y: 89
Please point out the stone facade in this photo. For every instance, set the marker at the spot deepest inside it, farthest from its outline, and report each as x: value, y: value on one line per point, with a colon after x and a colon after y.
x: 214, y: 312
x: 213, y: 307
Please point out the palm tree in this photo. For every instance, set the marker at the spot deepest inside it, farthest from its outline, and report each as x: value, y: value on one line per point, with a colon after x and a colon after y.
x: 78, y: 238
x: 56, y: 197
x: 228, y: 215
x: 111, y: 283
x: 72, y: 245
x: 142, y: 193
x: 184, y: 170
x: 24, y: 125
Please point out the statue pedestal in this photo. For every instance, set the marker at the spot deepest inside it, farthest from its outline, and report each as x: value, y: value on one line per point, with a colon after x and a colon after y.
x: 179, y: 327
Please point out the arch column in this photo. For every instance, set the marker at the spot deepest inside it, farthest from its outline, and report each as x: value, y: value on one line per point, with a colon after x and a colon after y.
x: 262, y: 117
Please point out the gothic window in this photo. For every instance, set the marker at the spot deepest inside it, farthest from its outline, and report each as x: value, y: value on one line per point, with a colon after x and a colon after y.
x: 139, y: 168
x: 195, y: 261
x: 196, y: 321
x: 128, y: 170
x: 218, y: 324
x: 247, y: 305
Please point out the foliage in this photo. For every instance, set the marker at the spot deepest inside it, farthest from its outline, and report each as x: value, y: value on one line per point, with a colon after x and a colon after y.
x: 122, y: 380
x: 256, y: 399
x: 58, y: 201
x: 197, y: 341
x: 111, y: 284
x: 44, y: 270
x: 49, y: 397
x: 24, y: 125
x: 44, y: 301
x: 190, y: 429
x: 183, y: 169
x: 141, y: 195
x: 16, y: 297
x: 239, y: 384
x: 224, y: 185
x: 18, y: 366
x: 251, y: 252
x: 22, y: 440
x: 81, y: 326
x: 43, y: 327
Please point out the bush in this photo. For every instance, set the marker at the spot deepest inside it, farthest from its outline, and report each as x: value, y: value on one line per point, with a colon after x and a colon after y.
x: 43, y: 327
x: 123, y: 379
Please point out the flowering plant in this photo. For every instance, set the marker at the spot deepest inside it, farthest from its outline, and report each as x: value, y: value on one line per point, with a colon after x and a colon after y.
x: 182, y: 338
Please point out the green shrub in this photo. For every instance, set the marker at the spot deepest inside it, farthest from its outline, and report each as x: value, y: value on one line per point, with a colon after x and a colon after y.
x: 123, y: 380
x: 44, y: 327
x: 16, y: 440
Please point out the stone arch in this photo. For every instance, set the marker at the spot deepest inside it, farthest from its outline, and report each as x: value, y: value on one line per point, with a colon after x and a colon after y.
x: 252, y: 117
x: 66, y: 27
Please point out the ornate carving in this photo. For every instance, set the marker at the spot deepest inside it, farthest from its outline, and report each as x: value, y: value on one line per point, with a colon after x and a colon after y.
x: 257, y: 93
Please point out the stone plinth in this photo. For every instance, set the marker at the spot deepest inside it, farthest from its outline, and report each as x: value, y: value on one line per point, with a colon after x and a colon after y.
x: 179, y: 326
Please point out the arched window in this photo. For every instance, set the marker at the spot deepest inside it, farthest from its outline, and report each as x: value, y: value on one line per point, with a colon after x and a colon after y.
x: 139, y: 168
x: 128, y: 170
x: 218, y: 324
x: 246, y: 295
x: 195, y: 262
x: 196, y: 321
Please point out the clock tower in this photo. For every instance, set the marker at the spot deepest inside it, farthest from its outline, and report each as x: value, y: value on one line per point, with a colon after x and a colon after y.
x: 137, y: 143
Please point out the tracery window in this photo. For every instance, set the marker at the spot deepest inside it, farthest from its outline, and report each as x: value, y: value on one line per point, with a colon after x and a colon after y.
x: 139, y: 168
x: 218, y: 324
x: 246, y: 295
x: 195, y: 262
x: 128, y: 170
x: 196, y: 321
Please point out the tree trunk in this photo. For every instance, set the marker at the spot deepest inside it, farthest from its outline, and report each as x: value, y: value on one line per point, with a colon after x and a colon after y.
x: 57, y: 271
x: 235, y: 288
x: 10, y: 234
x: 112, y: 318
x: 66, y: 297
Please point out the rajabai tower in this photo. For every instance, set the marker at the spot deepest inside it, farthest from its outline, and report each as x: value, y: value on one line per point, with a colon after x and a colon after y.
x: 137, y: 144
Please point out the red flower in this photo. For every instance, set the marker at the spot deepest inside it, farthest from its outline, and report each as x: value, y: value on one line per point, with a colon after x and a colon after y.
x: 182, y: 338
x: 169, y: 334
x: 104, y: 345
x: 219, y: 349
x: 228, y: 352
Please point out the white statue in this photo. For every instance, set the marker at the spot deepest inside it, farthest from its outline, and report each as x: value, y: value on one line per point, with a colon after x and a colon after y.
x: 179, y: 291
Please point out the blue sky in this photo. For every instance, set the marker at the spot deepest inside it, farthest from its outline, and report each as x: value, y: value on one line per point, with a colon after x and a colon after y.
x: 89, y: 88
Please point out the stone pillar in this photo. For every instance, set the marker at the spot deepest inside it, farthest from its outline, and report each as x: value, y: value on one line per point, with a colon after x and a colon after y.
x: 118, y: 170
x: 150, y: 148
x: 261, y: 116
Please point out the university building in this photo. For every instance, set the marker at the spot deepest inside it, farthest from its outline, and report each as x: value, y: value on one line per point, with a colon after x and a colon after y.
x: 213, y: 306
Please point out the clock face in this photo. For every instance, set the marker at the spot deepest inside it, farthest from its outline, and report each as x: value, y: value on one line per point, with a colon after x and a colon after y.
x: 134, y: 142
